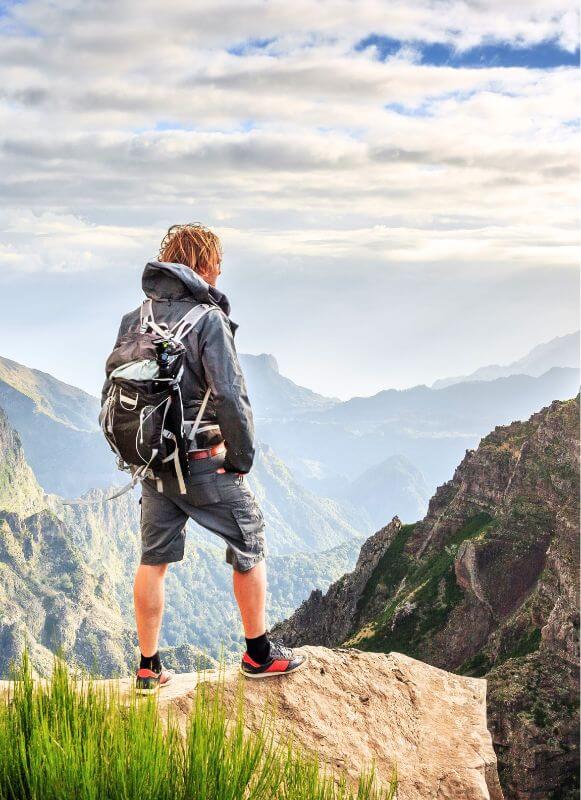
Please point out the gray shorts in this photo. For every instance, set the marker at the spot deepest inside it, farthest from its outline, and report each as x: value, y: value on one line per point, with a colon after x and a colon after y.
x: 221, y: 502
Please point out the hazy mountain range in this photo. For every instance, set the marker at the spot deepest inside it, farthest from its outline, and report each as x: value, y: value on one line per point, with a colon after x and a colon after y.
x: 562, y: 351
x: 364, y: 453
x: 413, y: 438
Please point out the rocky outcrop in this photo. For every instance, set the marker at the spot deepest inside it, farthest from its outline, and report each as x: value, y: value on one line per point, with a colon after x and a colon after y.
x: 19, y: 490
x: 352, y: 708
x: 486, y: 584
x: 327, y: 619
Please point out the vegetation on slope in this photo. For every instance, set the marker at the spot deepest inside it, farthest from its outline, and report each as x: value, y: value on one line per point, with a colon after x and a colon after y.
x: 422, y: 594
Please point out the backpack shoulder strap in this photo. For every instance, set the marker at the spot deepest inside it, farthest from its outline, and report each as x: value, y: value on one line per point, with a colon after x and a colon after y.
x: 147, y: 320
x: 191, y: 319
x: 146, y: 314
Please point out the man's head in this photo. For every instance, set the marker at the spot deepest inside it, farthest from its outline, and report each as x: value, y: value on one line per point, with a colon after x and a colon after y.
x: 195, y: 246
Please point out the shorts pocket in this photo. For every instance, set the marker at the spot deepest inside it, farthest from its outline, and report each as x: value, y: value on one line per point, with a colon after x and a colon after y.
x: 249, y: 518
x: 202, y: 490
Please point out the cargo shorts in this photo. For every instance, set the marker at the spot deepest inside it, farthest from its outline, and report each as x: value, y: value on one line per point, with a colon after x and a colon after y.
x: 220, y: 502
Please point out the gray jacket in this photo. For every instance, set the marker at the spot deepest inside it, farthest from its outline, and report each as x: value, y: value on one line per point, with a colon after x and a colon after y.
x: 211, y: 359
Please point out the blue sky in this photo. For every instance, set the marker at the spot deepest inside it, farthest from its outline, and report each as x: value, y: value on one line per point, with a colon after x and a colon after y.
x: 541, y: 55
x: 395, y: 189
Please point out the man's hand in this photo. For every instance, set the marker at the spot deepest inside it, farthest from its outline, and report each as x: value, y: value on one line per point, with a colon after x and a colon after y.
x: 221, y: 470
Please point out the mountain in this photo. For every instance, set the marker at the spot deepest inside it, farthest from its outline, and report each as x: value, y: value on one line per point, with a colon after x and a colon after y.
x: 562, y: 351
x: 485, y: 584
x: 431, y: 428
x: 57, y: 425
x: 48, y: 595
x: 63, y: 403
x: 273, y: 395
x: 393, y: 484
x: 297, y: 519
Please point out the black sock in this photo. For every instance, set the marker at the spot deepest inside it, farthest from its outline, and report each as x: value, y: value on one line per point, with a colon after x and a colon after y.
x: 151, y: 662
x: 258, y: 649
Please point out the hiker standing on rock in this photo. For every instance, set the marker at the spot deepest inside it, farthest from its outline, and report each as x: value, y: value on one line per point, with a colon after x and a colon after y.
x: 176, y: 412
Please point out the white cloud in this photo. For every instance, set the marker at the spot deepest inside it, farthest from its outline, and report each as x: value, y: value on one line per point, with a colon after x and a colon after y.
x: 304, y: 153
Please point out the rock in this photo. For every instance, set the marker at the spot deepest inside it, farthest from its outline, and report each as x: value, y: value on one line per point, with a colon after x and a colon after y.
x: 351, y: 708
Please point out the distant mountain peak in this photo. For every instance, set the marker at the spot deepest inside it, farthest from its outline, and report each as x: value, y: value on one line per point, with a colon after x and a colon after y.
x: 561, y: 351
x: 265, y: 359
x: 55, y: 399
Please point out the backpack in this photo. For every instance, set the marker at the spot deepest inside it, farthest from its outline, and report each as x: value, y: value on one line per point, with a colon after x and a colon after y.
x: 142, y: 416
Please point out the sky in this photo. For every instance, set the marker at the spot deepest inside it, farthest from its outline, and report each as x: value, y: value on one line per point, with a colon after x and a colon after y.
x: 395, y: 184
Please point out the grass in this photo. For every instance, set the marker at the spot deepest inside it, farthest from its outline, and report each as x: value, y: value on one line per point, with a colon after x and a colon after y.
x: 73, y: 738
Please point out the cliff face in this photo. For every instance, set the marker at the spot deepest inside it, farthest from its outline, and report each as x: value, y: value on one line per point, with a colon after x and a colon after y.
x: 328, y: 619
x: 486, y: 584
x: 48, y: 596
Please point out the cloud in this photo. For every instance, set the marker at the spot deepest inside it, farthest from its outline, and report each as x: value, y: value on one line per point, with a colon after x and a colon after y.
x: 309, y: 154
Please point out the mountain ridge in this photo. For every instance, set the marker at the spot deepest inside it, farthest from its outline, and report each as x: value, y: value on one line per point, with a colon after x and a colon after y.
x: 561, y: 351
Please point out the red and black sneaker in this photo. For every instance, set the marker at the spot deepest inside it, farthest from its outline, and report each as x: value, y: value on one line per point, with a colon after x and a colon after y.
x: 281, y: 661
x: 147, y: 681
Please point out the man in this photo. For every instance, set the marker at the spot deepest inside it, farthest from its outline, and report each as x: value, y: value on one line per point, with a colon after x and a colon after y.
x: 217, y: 496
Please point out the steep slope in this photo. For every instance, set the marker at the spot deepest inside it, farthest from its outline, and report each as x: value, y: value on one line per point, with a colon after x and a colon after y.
x: 48, y: 596
x: 61, y: 402
x: 64, y: 448
x: 19, y: 490
x: 562, y: 351
x: 486, y: 584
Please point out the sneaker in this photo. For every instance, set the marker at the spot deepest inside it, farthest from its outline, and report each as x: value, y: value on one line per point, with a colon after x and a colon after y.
x: 282, y: 661
x: 148, y: 682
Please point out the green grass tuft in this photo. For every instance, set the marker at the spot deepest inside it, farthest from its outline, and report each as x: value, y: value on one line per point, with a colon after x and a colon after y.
x: 72, y: 738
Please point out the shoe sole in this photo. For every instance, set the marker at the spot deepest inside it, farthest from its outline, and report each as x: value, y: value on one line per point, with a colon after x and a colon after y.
x: 146, y: 692
x: 259, y: 675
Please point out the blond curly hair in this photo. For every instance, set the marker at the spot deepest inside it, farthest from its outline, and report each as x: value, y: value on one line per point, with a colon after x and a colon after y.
x: 193, y: 245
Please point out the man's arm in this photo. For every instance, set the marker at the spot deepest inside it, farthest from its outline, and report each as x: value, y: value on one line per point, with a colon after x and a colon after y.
x: 229, y: 394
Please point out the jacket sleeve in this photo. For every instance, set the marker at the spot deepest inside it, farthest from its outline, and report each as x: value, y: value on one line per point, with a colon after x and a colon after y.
x: 229, y: 394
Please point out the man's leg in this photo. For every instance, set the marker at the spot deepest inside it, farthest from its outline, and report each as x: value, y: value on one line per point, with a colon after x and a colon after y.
x: 250, y: 594
x: 263, y: 657
x: 148, y: 596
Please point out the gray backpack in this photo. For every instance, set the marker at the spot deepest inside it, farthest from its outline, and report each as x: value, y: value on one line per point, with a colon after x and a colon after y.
x: 142, y: 416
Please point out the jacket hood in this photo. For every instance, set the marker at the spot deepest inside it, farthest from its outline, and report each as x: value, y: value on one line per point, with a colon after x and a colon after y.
x: 164, y: 281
